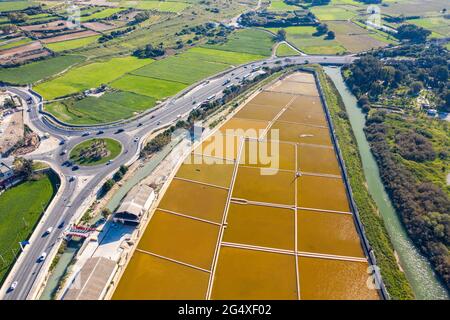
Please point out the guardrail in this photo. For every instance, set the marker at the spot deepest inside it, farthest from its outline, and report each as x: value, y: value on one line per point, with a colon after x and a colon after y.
x: 360, y: 227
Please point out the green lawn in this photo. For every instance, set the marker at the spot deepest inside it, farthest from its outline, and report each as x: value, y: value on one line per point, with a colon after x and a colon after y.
x: 35, y: 71
x: 302, y: 38
x: 71, y: 44
x: 20, y: 209
x: 107, y: 108
x: 101, y: 14
x: 162, y: 6
x: 89, y: 76
x: 280, y: 5
x: 156, y: 88
x: 249, y: 41
x: 284, y: 50
x: 113, y: 146
x: 438, y: 25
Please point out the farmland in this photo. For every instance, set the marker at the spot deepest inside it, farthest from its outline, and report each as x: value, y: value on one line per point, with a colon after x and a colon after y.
x: 325, y: 13
x: 100, y: 14
x: 284, y: 50
x: 280, y: 5
x: 440, y: 26
x: 32, y: 72
x: 248, y: 41
x: 14, y: 44
x: 21, y: 207
x: 92, y: 110
x: 89, y: 76
x: 15, y: 5
x: 71, y: 44
x: 163, y: 6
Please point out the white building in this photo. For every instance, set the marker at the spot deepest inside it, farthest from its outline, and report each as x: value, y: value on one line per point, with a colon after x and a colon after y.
x: 6, y: 172
x: 135, y: 204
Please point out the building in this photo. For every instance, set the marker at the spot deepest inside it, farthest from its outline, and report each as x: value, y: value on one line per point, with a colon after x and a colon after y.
x: 6, y: 172
x: 135, y: 204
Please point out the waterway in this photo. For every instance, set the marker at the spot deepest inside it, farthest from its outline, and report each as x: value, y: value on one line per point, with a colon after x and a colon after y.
x: 418, y: 271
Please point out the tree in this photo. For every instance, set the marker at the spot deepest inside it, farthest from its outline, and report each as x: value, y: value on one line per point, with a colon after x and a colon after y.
x: 330, y: 35
x: 415, y: 87
x: 23, y: 167
x: 108, y: 185
x: 8, y: 104
x: 281, y: 35
x: 412, y: 33
x: 106, y: 213
x: 17, y: 17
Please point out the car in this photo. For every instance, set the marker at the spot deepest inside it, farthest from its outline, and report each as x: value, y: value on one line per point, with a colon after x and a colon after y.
x: 72, y: 178
x: 48, y: 231
x: 139, y: 124
x: 63, y: 152
x: 100, y: 132
x: 13, y: 286
x: 120, y: 130
x: 85, y: 134
x: 61, y: 225
x: 136, y: 139
x: 158, y: 123
x: 62, y: 142
x: 42, y: 256
x: 109, y: 162
x: 74, y: 168
x: 152, y: 117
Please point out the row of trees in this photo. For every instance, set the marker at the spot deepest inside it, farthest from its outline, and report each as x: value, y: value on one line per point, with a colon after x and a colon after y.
x: 278, y: 19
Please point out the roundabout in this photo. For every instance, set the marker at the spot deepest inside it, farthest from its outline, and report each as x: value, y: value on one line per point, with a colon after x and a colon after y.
x: 95, y: 151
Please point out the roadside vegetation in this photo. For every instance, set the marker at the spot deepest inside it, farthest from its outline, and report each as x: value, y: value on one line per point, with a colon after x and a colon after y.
x: 95, y: 151
x: 21, y: 208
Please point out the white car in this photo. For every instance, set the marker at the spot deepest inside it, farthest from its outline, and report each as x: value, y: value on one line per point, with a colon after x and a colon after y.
x: 136, y: 139
x: 13, y: 285
x: 49, y: 230
x: 43, y: 256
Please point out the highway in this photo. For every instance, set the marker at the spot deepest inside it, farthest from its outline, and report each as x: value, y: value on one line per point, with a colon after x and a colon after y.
x: 79, y: 187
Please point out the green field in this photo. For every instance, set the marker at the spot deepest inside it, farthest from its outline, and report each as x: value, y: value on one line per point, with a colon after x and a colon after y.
x: 249, y: 41
x: 438, y: 25
x: 162, y: 6
x: 280, y: 5
x: 113, y: 147
x: 71, y: 44
x: 100, y: 14
x: 89, y: 76
x: 20, y: 209
x: 107, y: 108
x: 180, y: 69
x: 302, y: 38
x: 15, y: 5
x: 14, y: 44
x: 329, y: 12
x: 221, y: 56
x: 156, y: 88
x: 284, y: 50
x: 35, y: 71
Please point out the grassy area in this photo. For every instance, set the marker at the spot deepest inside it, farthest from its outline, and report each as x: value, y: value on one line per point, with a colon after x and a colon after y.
x: 181, y: 69
x: 284, y: 50
x: 330, y: 12
x: 249, y: 41
x: 15, y: 5
x: 221, y: 56
x: 21, y: 208
x: 162, y: 6
x: 107, y: 108
x: 113, y: 148
x: 302, y: 37
x: 375, y: 231
x: 438, y: 25
x: 35, y: 71
x: 71, y: 44
x: 101, y: 14
x: 14, y: 44
x: 151, y: 87
x: 280, y: 5
x: 89, y: 76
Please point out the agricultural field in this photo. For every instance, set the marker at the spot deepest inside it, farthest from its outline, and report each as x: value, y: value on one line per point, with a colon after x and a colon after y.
x: 283, y: 239
x: 13, y: 44
x: 6, y: 6
x: 112, y: 147
x: 162, y: 6
x: 71, y: 44
x: 89, y: 76
x: 413, y: 7
x: 248, y: 41
x: 21, y: 208
x: 109, y: 107
x: 155, y: 88
x: 302, y: 38
x: 35, y: 71
x: 280, y: 5
x: 101, y: 14
x: 439, y: 26
x: 283, y: 50
x: 330, y: 12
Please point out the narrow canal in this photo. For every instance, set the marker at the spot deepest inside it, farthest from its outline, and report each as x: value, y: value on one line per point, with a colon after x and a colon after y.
x: 417, y: 269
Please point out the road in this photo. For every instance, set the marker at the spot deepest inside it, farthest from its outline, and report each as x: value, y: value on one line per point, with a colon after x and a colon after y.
x: 87, y: 180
